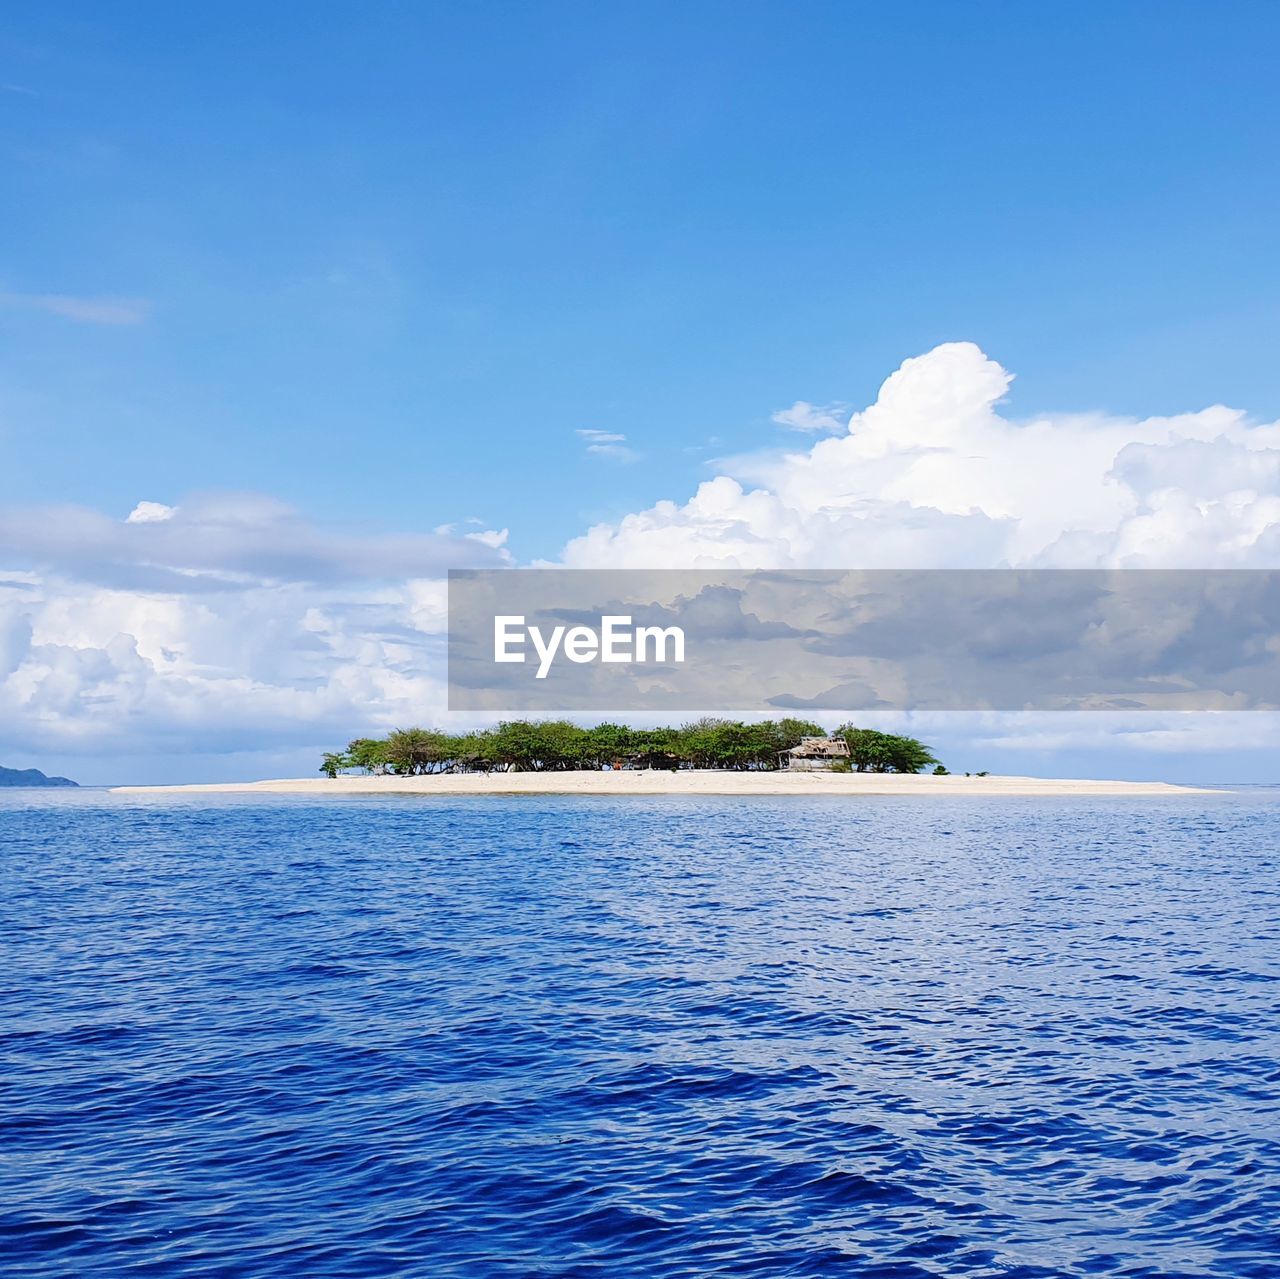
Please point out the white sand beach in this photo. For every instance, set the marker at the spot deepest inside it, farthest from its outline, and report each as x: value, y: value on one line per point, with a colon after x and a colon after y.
x: 659, y: 782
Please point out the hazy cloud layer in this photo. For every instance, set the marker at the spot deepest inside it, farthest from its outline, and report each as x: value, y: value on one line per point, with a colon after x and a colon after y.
x: 607, y: 444
x: 225, y: 542
x: 109, y: 311
x: 813, y: 418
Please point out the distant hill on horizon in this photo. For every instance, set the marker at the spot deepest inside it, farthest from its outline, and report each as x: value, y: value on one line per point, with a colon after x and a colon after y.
x: 31, y: 777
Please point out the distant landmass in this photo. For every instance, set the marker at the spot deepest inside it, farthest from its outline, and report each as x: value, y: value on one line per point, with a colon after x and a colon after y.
x: 31, y: 777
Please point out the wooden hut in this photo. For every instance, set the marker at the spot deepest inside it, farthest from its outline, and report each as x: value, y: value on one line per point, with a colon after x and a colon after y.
x: 815, y: 754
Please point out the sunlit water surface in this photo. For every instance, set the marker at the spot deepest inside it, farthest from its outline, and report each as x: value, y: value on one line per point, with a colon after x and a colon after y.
x: 685, y: 1037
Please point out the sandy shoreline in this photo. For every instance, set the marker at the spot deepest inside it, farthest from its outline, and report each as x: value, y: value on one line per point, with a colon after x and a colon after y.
x: 682, y: 783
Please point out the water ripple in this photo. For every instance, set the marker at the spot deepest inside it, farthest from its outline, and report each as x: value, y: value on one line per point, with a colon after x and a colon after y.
x: 556, y: 1037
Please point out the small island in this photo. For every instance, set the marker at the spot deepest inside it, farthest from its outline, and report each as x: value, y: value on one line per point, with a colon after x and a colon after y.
x: 706, y: 757
x: 31, y: 777
x: 561, y: 746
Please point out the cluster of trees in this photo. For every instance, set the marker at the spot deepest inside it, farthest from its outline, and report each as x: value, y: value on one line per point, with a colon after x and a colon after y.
x: 873, y: 752
x: 551, y: 745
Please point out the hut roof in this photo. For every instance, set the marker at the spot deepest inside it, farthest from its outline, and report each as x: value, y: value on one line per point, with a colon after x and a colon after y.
x: 821, y: 748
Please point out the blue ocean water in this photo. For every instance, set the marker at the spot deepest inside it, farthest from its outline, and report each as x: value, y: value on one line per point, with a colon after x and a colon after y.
x: 685, y: 1037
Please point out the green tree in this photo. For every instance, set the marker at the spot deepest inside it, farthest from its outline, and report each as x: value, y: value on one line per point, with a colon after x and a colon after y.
x: 867, y: 750
x: 333, y: 764
x: 474, y: 752
x: 871, y: 751
x: 369, y: 753
x: 701, y: 743
x: 791, y: 731
x: 656, y: 748
x: 557, y: 744
x: 419, y: 750
x: 608, y: 744
x: 560, y: 745
x: 908, y: 755
x: 539, y: 745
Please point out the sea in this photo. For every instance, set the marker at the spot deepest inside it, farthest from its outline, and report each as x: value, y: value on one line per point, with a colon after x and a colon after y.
x: 570, y: 1036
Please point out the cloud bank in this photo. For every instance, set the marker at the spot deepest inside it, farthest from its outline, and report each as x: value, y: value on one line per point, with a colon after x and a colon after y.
x: 932, y: 475
x: 225, y: 620
x: 228, y: 622
x: 226, y: 541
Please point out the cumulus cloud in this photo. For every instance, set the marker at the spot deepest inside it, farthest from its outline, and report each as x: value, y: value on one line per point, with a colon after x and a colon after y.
x: 934, y: 475
x: 219, y: 623
x: 109, y: 672
x: 150, y: 513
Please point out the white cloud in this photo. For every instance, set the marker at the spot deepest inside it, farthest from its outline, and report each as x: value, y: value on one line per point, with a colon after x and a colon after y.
x: 933, y: 475
x: 224, y: 541
x: 803, y: 416
x: 105, y: 671
x: 494, y: 538
x: 608, y: 444
x: 109, y: 311
x: 1163, y: 734
x: 225, y: 622
x: 150, y: 513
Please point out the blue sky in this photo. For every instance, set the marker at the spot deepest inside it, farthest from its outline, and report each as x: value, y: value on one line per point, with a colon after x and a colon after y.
x: 456, y: 234
x: 388, y: 266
